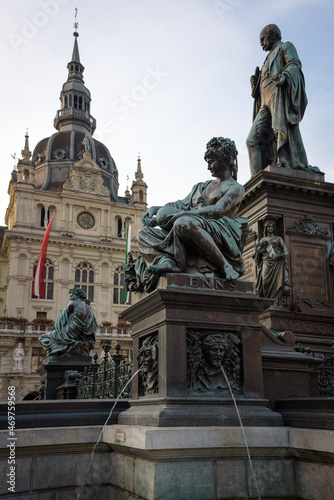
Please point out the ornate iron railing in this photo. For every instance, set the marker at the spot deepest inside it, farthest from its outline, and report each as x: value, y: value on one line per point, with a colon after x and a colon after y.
x: 326, y: 376
x: 108, y: 379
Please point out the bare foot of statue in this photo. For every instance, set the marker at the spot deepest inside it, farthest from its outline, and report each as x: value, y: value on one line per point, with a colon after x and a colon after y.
x: 153, y: 273
x: 230, y: 273
x: 159, y: 269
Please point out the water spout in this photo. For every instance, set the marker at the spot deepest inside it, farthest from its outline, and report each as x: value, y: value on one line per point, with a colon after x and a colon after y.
x: 101, y: 433
x: 243, y: 432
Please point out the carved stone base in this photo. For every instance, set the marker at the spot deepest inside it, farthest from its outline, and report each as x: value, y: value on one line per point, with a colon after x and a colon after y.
x: 177, y: 332
x: 302, y: 205
x: 199, y: 412
x: 53, y: 371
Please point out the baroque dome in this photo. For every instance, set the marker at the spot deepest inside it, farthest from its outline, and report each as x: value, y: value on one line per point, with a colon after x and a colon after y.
x: 54, y: 156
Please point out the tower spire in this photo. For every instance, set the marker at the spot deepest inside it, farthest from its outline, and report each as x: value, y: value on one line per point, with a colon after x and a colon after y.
x: 75, y: 97
x: 26, y: 154
x: 139, y: 174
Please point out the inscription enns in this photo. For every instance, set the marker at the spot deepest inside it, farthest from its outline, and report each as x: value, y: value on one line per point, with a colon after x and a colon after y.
x: 308, y: 273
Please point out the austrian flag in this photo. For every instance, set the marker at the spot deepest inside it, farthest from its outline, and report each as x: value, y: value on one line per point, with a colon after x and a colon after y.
x: 38, y: 286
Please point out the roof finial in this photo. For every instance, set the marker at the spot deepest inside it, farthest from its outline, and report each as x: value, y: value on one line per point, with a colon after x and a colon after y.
x: 15, y: 158
x: 127, y: 182
x: 26, y: 154
x: 76, y: 24
x: 139, y: 174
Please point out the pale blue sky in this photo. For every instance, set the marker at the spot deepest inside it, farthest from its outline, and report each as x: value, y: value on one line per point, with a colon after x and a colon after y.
x: 165, y: 77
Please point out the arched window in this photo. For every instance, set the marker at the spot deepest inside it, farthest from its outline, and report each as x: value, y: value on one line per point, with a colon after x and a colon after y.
x: 80, y: 102
x: 119, y: 228
x: 84, y: 278
x: 65, y: 101
x: 45, y: 217
x: 75, y: 101
x: 118, y: 286
x: 48, y: 280
x: 70, y: 101
x: 26, y: 176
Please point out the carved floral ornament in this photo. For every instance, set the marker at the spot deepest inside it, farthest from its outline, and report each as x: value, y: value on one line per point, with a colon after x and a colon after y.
x: 306, y: 225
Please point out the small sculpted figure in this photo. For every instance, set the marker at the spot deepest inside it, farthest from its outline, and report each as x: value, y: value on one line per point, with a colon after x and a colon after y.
x: 279, y: 106
x: 270, y: 258
x: 74, y: 330
x: 203, y: 225
x: 86, y: 144
x: 18, y: 356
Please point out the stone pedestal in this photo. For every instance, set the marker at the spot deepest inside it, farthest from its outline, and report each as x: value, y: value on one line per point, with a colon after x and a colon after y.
x: 170, y: 320
x: 53, y: 371
x: 302, y: 204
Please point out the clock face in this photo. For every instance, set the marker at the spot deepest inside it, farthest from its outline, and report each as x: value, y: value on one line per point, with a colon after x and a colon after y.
x: 86, y: 220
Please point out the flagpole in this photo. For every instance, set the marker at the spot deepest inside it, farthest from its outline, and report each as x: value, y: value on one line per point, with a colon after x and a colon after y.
x: 38, y: 285
x: 126, y: 293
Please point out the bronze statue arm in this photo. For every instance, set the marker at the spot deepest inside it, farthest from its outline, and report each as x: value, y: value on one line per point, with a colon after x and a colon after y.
x: 147, y: 217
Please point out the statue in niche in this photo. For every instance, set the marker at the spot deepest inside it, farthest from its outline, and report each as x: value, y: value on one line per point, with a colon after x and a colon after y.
x: 74, y: 330
x: 270, y: 258
x: 279, y: 106
x: 148, y: 364
x: 86, y: 144
x: 18, y: 356
x: 201, y: 226
x: 208, y: 351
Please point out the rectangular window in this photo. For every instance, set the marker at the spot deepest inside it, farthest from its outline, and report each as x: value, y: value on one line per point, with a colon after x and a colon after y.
x: 49, y: 291
x: 50, y: 273
x: 115, y: 296
x: 37, y: 356
x: 91, y: 293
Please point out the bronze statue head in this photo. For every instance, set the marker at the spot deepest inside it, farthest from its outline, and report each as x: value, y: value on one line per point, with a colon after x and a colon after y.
x: 214, y: 349
x: 269, y: 35
x: 269, y: 222
x: 225, y: 150
x: 78, y: 293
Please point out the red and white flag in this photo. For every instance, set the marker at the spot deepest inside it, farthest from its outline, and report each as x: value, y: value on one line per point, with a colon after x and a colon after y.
x: 38, y: 286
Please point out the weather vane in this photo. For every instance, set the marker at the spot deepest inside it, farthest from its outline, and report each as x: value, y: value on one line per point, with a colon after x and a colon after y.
x: 15, y: 158
x: 76, y: 24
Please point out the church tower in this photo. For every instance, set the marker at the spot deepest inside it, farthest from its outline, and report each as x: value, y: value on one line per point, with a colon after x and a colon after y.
x: 139, y: 187
x: 75, y: 99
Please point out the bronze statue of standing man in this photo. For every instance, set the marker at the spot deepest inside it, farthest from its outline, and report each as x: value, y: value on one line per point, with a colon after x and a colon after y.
x: 280, y: 102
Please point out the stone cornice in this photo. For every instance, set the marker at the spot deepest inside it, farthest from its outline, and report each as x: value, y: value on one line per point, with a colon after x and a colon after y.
x: 287, y: 184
